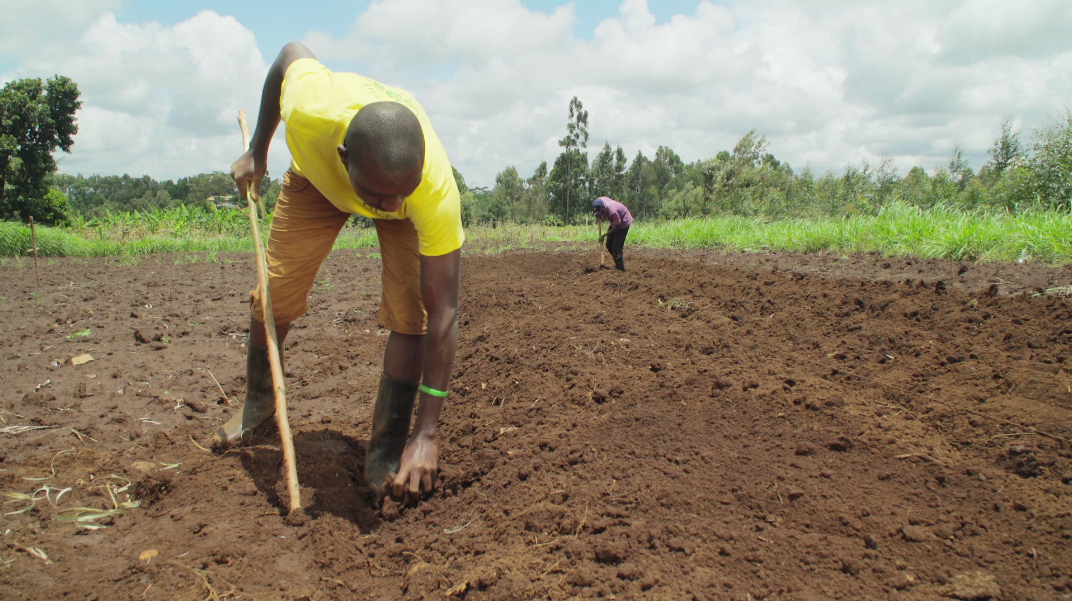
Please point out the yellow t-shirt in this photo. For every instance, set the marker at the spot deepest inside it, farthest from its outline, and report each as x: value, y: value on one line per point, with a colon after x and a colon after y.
x: 317, y: 105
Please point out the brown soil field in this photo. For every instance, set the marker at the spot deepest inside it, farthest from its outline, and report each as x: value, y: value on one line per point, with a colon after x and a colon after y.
x: 705, y: 426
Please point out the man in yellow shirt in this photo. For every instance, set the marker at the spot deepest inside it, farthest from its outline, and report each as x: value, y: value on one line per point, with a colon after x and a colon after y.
x: 361, y: 147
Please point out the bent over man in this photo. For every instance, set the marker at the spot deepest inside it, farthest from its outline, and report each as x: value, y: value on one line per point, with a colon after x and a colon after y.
x: 361, y: 147
x: 620, y: 219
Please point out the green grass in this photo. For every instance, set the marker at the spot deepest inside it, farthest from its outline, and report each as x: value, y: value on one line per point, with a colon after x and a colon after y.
x: 897, y: 230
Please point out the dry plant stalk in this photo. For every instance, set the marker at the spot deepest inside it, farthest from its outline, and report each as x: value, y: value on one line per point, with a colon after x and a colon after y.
x: 213, y: 594
x: 283, y: 424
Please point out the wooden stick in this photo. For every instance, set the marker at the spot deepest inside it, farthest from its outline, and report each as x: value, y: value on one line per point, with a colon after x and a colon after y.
x: 37, y: 265
x: 599, y: 227
x: 273, y: 345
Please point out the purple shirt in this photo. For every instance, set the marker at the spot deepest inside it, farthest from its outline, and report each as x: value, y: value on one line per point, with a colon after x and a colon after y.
x: 616, y: 213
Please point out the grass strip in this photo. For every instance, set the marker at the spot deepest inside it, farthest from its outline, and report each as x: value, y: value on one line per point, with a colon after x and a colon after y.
x: 898, y: 229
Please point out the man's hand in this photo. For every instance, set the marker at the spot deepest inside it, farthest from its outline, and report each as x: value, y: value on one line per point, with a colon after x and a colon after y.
x: 248, y: 171
x: 251, y: 167
x: 440, y: 277
x: 602, y: 238
x: 419, y: 469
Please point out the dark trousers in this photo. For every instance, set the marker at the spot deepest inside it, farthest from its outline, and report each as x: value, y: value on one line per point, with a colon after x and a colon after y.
x: 615, y: 242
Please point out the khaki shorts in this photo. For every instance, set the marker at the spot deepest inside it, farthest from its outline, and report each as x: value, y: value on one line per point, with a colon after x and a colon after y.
x: 304, y: 227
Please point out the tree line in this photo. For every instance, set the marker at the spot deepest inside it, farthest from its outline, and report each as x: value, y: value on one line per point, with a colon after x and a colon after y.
x: 750, y: 181
x: 37, y: 118
x: 97, y: 195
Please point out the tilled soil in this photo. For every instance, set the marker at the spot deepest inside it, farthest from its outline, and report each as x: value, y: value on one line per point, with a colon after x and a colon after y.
x: 704, y: 426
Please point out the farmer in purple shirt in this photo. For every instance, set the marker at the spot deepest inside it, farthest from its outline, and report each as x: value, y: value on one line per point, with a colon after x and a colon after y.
x: 620, y: 219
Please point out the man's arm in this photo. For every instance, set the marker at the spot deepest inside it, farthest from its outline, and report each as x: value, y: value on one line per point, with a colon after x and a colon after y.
x: 440, y: 281
x: 250, y: 168
x: 611, y: 228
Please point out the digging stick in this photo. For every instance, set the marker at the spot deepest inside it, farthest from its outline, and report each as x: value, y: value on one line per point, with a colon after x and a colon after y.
x: 599, y: 244
x: 37, y: 265
x: 273, y: 346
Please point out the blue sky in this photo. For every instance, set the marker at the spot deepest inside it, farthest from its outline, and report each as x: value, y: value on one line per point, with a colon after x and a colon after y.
x: 830, y: 83
x: 333, y: 16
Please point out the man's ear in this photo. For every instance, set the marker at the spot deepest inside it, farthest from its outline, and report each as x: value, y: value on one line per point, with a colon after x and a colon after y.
x: 345, y: 156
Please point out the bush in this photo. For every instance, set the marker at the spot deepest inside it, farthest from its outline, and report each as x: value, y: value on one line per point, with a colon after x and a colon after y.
x: 52, y: 208
x: 1051, y: 163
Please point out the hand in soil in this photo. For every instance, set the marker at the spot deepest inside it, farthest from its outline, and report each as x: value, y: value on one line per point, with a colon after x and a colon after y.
x: 420, y: 466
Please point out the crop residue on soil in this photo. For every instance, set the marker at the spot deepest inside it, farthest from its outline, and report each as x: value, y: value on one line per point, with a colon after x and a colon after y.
x: 704, y: 426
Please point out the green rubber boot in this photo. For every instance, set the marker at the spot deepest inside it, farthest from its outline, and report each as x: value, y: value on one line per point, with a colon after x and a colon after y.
x: 390, y: 430
x: 260, y: 400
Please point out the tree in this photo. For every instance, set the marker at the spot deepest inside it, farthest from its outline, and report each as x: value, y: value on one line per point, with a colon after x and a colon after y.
x: 749, y: 149
x: 36, y: 118
x: 607, y: 174
x: 603, y: 179
x: 726, y: 177
x: 508, y: 196
x: 50, y: 209
x: 459, y: 179
x: 536, y: 192
x: 716, y: 173
x: 641, y: 195
x: 668, y: 165
x: 1007, y: 147
x: 682, y: 202
x: 856, y: 193
x: 1050, y: 164
x: 915, y: 188
x: 567, y: 183
x: 886, y: 178
x: 958, y: 169
x: 620, y: 163
x: 576, y: 139
x: 206, y: 189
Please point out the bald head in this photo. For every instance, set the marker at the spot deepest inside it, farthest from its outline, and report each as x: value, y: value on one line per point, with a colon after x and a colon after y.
x: 386, y: 137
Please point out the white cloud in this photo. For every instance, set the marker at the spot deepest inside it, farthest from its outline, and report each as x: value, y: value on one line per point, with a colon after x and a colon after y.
x: 39, y: 27
x: 828, y: 81
x: 157, y: 100
x: 979, y: 29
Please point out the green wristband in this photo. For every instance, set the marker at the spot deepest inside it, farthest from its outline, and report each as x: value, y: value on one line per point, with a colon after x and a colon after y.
x: 433, y: 391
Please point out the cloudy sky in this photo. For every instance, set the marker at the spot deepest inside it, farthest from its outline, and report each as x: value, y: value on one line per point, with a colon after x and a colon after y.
x: 829, y: 82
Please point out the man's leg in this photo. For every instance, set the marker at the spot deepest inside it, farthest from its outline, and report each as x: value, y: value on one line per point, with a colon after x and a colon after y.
x: 402, y: 359
x: 258, y: 332
x: 402, y: 311
x: 304, y: 228
x: 616, y: 248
